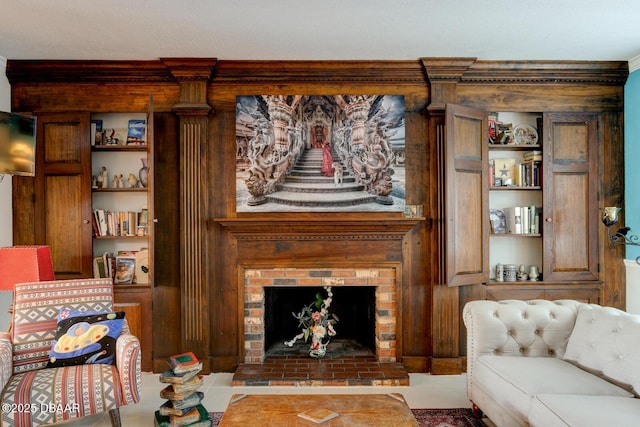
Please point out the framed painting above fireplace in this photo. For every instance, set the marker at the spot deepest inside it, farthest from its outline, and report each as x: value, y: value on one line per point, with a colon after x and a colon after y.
x: 320, y: 153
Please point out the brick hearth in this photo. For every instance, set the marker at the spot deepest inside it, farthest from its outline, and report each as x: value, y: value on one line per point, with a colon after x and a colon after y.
x: 305, y: 371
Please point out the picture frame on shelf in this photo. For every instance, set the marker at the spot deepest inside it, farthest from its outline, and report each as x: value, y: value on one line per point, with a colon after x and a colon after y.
x: 504, y: 134
x: 504, y: 170
x: 125, y: 270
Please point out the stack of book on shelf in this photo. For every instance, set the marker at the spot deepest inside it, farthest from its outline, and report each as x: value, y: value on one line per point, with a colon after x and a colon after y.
x: 523, y: 219
x: 528, y: 173
x: 183, y: 406
x: 125, y: 267
x: 135, y: 134
x: 119, y: 223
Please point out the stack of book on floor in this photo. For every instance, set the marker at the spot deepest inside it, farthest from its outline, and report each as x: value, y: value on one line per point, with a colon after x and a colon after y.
x: 184, y: 402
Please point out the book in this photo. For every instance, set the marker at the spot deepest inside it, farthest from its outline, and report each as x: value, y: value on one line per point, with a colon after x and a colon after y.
x: 189, y: 402
x: 101, y: 220
x: 199, y: 418
x: 492, y: 119
x: 170, y: 377
x: 136, y: 132
x: 143, y: 222
x: 189, y: 385
x: 168, y: 409
x: 184, y: 362
x: 96, y: 132
x: 93, y: 134
x: 169, y: 393
x: 125, y: 270
x: 318, y: 415
x: 532, y: 156
x: 524, y: 214
x: 99, y: 268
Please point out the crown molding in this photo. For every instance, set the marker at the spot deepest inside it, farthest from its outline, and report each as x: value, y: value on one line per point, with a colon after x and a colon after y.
x: 634, y: 64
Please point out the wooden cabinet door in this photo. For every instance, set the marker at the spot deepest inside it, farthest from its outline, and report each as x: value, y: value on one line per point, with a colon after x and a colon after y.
x: 570, y: 211
x: 62, y: 192
x: 466, y: 186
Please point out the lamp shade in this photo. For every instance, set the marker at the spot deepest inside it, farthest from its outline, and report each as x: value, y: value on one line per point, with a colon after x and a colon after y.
x: 20, y: 264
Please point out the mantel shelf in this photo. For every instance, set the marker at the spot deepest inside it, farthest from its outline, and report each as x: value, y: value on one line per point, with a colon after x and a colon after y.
x: 309, y: 229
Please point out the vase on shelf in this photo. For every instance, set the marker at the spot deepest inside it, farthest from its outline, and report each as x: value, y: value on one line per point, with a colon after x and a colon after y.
x: 144, y: 172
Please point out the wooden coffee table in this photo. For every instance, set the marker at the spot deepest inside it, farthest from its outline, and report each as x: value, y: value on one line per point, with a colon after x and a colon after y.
x: 352, y: 409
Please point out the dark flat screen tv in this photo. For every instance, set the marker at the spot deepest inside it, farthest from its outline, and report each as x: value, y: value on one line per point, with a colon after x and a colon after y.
x: 17, y: 144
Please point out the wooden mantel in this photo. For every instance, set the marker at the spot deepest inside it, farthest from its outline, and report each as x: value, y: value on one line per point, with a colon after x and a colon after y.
x: 317, y: 229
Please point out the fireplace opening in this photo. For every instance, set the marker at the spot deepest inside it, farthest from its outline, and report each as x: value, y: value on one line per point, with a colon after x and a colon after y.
x: 353, y: 305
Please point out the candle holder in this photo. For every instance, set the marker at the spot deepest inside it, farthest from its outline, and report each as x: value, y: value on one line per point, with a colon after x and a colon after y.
x: 622, y: 236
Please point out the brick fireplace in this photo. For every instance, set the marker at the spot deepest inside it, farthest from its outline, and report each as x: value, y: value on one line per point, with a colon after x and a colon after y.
x: 383, y: 280
x: 364, y: 251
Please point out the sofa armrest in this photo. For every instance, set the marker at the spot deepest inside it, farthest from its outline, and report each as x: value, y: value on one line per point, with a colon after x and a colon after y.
x: 128, y: 362
x: 6, y: 359
x: 536, y: 328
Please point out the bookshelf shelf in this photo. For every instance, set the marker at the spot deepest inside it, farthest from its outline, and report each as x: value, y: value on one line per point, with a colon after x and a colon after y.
x: 515, y: 188
x: 521, y: 147
x: 112, y: 148
x: 119, y: 190
x: 515, y: 235
x: 119, y: 237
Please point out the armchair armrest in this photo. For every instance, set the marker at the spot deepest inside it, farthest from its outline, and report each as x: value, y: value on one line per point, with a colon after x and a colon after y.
x: 6, y: 359
x: 128, y: 359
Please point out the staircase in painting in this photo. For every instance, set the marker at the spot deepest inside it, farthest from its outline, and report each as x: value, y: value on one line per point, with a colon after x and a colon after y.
x: 304, y: 185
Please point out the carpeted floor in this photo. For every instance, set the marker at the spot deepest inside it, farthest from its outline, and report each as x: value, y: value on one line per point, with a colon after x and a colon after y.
x: 460, y: 417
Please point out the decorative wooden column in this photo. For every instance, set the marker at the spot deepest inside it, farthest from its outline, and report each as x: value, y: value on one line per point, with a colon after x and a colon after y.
x: 443, y: 75
x: 193, y: 112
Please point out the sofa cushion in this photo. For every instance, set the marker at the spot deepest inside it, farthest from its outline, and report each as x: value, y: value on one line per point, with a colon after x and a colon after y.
x: 514, y: 381
x: 605, y: 342
x: 583, y: 411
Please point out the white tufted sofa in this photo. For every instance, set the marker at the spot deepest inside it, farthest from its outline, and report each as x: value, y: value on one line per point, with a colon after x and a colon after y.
x: 553, y: 363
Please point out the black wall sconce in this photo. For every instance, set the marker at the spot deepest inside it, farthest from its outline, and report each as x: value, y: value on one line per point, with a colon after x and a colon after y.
x: 622, y: 236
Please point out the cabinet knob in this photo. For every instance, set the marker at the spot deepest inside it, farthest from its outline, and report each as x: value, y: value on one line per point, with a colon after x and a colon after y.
x: 548, y: 219
x: 155, y: 220
x: 85, y: 221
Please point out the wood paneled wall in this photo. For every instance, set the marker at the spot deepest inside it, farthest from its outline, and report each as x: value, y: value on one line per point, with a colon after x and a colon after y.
x: 432, y: 332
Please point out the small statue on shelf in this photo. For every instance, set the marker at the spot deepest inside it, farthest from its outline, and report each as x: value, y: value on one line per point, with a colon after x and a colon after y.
x: 103, y: 178
x: 133, y: 181
x: 522, y: 273
x: 499, y: 273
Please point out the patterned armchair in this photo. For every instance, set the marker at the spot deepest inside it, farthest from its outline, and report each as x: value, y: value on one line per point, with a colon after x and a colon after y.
x: 34, y: 394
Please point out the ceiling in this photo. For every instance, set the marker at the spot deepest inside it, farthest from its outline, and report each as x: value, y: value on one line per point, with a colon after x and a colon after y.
x: 320, y: 29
